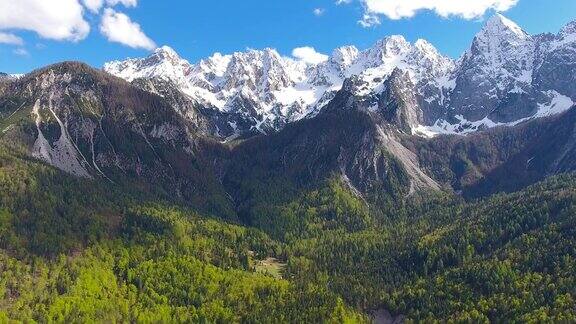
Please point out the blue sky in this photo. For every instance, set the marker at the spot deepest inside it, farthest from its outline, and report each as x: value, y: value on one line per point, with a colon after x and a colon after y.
x: 196, y: 29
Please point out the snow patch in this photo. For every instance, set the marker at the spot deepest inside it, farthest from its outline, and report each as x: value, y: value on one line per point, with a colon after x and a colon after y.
x: 556, y: 104
x: 559, y: 103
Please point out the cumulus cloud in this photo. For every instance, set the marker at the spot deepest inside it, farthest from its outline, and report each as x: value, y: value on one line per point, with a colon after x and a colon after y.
x: 53, y: 19
x: 318, y: 12
x: 64, y: 20
x: 309, y: 55
x: 7, y: 38
x: 399, y: 9
x: 96, y: 5
x: 119, y: 28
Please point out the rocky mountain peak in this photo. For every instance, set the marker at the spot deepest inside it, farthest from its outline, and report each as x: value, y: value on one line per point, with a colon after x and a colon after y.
x: 398, y: 103
x: 393, y: 45
x: 207, y: 70
x: 167, y: 57
x: 505, y: 76
x: 569, y: 29
x: 164, y: 63
x: 430, y: 62
x: 166, y: 52
x: 5, y: 76
x: 501, y: 26
x: 500, y: 36
x: 500, y: 61
x: 344, y: 56
x: 567, y: 35
x: 385, y: 49
x: 425, y: 46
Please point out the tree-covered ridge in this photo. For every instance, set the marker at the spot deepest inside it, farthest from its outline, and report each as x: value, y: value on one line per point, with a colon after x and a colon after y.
x: 74, y: 252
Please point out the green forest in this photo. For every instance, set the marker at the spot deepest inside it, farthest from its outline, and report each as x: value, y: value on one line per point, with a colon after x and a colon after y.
x: 75, y: 251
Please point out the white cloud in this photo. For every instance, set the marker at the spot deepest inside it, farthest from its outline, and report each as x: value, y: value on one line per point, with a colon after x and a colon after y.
x: 96, y: 5
x: 369, y: 20
x: 119, y: 28
x: 339, y: 2
x: 93, y: 5
x: 309, y: 55
x: 53, y: 19
x: 467, y: 9
x: 126, y: 3
x: 318, y: 11
x: 21, y: 52
x: 64, y: 20
x: 7, y: 38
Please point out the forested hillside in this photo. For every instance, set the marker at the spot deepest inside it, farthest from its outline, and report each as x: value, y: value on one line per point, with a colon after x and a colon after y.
x: 76, y: 250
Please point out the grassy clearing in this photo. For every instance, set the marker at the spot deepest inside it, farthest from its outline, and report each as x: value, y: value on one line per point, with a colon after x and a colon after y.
x: 270, y: 266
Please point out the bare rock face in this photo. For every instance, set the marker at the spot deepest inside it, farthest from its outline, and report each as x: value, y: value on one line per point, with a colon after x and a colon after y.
x: 556, y: 64
x: 398, y: 103
x: 508, y: 76
x: 500, y: 61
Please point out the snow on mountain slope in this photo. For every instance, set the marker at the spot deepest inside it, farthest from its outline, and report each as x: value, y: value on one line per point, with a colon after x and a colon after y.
x: 554, y: 104
x: 506, y: 76
x: 273, y: 90
x: 10, y: 77
x: 500, y: 61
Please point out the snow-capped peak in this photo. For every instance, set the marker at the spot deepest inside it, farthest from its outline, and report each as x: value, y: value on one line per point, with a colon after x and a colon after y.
x: 569, y: 29
x: 164, y: 63
x: 345, y: 56
x: 567, y: 34
x: 391, y: 46
x: 166, y: 51
x: 215, y: 64
x: 272, y: 89
x: 499, y: 35
x: 426, y: 47
x: 500, y: 25
x: 503, y: 64
x: 501, y: 50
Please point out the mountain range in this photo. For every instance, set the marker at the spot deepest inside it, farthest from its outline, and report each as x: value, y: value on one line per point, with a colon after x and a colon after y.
x: 385, y: 184
x: 505, y: 77
x: 397, y: 118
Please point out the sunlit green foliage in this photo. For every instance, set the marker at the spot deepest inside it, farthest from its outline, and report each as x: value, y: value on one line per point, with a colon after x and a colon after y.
x: 73, y: 251
x: 82, y: 251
